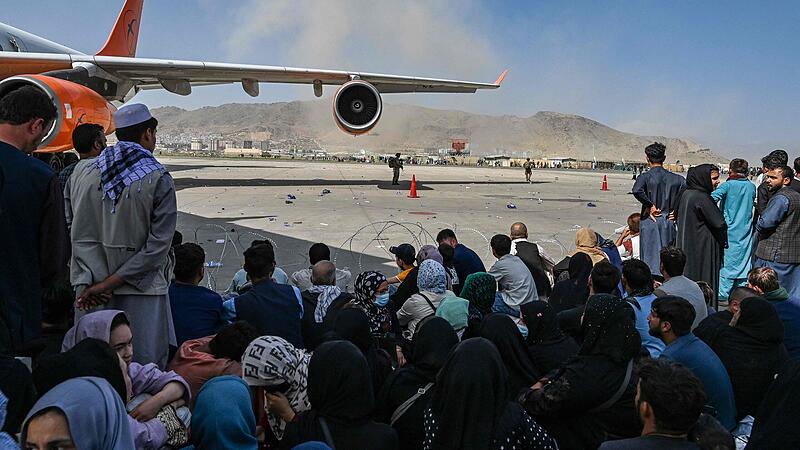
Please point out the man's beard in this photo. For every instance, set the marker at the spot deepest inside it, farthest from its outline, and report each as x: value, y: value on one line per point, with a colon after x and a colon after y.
x: 656, y: 332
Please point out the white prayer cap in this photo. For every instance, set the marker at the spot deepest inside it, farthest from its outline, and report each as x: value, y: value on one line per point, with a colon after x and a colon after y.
x: 132, y: 114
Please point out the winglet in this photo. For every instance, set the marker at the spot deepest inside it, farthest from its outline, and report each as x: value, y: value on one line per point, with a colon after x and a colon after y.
x: 125, y: 34
x: 501, y: 78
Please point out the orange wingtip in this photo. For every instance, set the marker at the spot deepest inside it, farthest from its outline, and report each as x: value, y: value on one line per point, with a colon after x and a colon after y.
x: 501, y: 78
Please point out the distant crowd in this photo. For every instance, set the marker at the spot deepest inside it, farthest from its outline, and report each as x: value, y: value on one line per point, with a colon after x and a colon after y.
x: 683, y: 332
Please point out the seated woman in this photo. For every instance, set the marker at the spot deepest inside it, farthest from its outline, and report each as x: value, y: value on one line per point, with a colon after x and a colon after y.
x: 95, y: 358
x: 431, y: 345
x: 503, y: 332
x: 591, y: 397
x: 573, y: 291
x: 279, y: 372
x: 81, y: 413
x: 432, y: 282
x: 471, y: 406
x: 340, y: 391
x: 479, y: 290
x: 752, y: 350
x: 353, y: 325
x: 548, y: 346
x: 223, y: 416
x: 199, y: 360
x: 151, y: 389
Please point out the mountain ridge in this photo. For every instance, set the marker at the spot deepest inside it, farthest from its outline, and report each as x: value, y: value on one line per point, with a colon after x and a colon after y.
x: 409, y: 128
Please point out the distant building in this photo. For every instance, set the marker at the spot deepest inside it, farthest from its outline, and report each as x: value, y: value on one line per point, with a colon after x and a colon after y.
x: 264, y: 146
x: 237, y: 152
x: 216, y: 146
x: 247, y: 144
x: 196, y: 145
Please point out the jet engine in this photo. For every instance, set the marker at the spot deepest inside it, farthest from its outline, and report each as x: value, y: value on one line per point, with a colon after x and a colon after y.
x: 76, y: 104
x: 357, y: 107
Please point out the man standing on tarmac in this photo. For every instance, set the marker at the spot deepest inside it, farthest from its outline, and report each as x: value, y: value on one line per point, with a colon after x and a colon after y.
x: 528, y: 166
x: 396, y: 164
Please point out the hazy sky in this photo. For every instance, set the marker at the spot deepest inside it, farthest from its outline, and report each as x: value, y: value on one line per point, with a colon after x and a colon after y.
x: 726, y: 74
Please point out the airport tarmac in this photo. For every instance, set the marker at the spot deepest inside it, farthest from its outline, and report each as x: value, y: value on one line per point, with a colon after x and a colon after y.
x: 224, y: 204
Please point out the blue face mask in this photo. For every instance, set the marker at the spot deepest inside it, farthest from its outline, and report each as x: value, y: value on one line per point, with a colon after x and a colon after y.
x: 382, y: 299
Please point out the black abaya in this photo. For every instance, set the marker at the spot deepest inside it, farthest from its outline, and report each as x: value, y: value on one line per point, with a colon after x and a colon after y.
x: 776, y: 425
x: 547, y: 345
x: 567, y: 405
x: 570, y: 293
x: 340, y: 392
x: 470, y: 408
x: 752, y: 352
x: 431, y: 345
x: 505, y: 335
x: 352, y: 324
x: 702, y: 231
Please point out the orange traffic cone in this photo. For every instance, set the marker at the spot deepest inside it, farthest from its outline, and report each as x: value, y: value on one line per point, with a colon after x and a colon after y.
x: 605, y: 183
x: 413, y: 193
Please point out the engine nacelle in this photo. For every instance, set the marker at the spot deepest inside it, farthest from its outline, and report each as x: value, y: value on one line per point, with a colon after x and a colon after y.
x: 357, y: 107
x: 76, y: 104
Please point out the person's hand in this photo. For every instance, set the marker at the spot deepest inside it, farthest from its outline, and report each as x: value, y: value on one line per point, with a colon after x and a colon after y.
x: 540, y: 384
x: 654, y: 213
x: 146, y: 410
x: 671, y: 216
x: 401, y: 359
x: 626, y: 232
x: 278, y: 404
x: 93, y: 296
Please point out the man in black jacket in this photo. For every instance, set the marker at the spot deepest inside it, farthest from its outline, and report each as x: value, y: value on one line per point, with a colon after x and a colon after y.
x: 534, y: 258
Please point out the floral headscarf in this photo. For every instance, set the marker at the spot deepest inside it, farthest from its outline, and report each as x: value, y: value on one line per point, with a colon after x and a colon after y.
x: 271, y: 361
x: 365, y: 287
x: 432, y: 277
x: 480, y: 289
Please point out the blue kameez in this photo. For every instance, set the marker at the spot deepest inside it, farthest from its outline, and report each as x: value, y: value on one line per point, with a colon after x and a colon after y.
x: 736, y: 197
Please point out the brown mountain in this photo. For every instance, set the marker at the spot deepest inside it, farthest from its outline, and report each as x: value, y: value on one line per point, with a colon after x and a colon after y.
x: 408, y: 128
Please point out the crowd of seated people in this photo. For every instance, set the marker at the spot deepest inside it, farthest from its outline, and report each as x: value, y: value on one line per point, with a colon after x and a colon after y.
x: 584, y: 353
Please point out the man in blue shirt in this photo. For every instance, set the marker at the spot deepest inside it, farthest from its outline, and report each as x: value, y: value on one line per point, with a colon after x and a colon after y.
x: 465, y: 261
x: 273, y: 309
x: 196, y: 310
x: 671, y: 321
x: 638, y: 283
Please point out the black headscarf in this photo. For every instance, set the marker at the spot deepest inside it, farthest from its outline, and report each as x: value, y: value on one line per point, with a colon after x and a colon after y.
x: 432, y: 342
x: 88, y: 358
x: 698, y: 178
x: 17, y: 385
x: 470, y: 396
x: 339, y: 383
x: 752, y: 352
x: 501, y: 330
x: 548, y: 346
x: 352, y: 324
x: 542, y: 323
x: 759, y: 320
x: 574, y: 291
x: 609, y: 328
x: 776, y: 420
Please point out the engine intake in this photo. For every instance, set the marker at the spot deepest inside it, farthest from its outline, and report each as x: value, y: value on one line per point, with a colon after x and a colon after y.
x: 76, y: 104
x: 357, y: 107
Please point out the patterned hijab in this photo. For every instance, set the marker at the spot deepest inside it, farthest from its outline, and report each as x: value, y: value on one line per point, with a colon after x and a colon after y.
x: 271, y: 361
x: 480, y: 289
x: 366, y: 285
x: 432, y: 277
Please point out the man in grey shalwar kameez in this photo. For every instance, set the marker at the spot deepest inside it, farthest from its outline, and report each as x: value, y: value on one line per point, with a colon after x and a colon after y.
x: 657, y: 190
x: 121, y: 209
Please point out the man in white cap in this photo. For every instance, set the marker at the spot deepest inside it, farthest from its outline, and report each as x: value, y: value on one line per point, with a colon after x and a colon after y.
x: 121, y: 233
